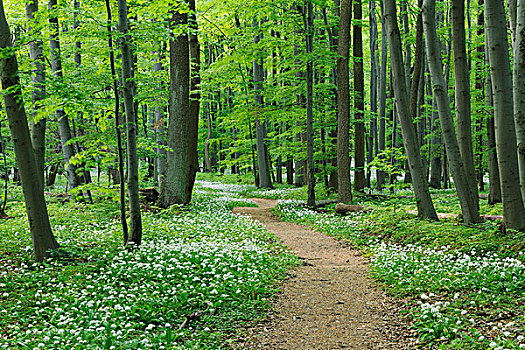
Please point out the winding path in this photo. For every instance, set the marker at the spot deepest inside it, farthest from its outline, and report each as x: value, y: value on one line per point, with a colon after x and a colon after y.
x: 327, y: 303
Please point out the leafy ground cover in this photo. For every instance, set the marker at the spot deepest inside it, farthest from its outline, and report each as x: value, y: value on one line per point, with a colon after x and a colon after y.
x: 94, y: 294
x: 466, y: 285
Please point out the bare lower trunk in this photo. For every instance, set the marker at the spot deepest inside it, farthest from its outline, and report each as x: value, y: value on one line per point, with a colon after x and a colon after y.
x: 519, y: 89
x: 64, y: 128
x: 421, y: 190
x: 462, y: 94
x: 466, y: 195
x: 343, y: 99
x: 38, y: 122
x: 496, y: 29
x: 359, y: 102
x: 36, y: 209
x: 135, y: 227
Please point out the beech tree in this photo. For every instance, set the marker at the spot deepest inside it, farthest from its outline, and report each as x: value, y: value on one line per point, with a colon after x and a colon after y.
x: 505, y: 130
x: 467, y: 197
x: 135, y: 227
x: 174, y: 186
x: 36, y: 208
x: 424, y: 201
x: 343, y: 102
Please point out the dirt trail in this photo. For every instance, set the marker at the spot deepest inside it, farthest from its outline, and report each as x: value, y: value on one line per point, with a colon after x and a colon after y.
x: 329, y: 302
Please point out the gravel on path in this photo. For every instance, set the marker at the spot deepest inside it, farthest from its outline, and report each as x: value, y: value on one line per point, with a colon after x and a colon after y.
x: 329, y: 302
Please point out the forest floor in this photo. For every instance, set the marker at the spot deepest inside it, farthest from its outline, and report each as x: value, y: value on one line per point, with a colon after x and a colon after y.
x: 328, y: 302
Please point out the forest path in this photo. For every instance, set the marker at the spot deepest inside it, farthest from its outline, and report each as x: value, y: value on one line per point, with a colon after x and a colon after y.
x: 328, y: 302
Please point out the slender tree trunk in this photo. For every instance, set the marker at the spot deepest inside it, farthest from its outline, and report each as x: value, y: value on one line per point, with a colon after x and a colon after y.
x: 36, y: 209
x: 373, y: 148
x: 359, y: 102
x: 64, y: 128
x: 120, y: 171
x: 496, y: 32
x: 435, y: 162
x: 38, y: 93
x: 135, y: 232
x: 381, y: 175
x: 265, y: 180
x: 309, y: 29
x: 519, y: 89
x: 466, y: 195
x: 195, y: 96
x: 462, y: 94
x: 421, y: 190
x: 343, y: 100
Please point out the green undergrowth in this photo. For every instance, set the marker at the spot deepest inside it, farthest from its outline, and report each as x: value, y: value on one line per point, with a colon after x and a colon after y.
x: 93, y: 294
x: 465, y: 284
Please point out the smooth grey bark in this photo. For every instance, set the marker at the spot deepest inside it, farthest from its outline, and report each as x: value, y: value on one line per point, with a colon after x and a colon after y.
x: 36, y: 209
x: 421, y: 190
x: 159, y: 129
x: 373, y: 144
x: 38, y: 92
x: 381, y: 175
x: 173, y: 190
x: 195, y: 100
x: 435, y: 150
x: 120, y: 171
x: 300, y: 162
x: 462, y: 96
x: 309, y: 29
x: 265, y: 180
x: 135, y: 224
x: 519, y: 88
x: 344, y: 186
x: 359, y: 102
x: 467, y: 197
x: 64, y: 128
x: 494, y: 180
x: 505, y: 129
x: 512, y: 6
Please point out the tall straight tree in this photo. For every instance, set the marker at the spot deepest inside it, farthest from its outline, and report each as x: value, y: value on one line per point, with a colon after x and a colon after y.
x: 344, y: 186
x: 38, y: 93
x: 359, y: 102
x: 36, y: 209
x: 309, y: 30
x: 263, y: 165
x: 135, y: 225
x: 462, y: 94
x: 467, y: 197
x: 195, y: 97
x: 173, y: 189
x: 505, y: 129
x: 519, y: 88
x: 381, y: 137
x: 64, y: 128
x: 424, y: 201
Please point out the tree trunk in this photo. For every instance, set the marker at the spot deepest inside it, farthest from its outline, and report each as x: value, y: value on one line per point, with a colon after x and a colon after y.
x: 462, y: 94
x: 117, y: 174
x: 435, y: 151
x: 309, y: 29
x: 68, y: 149
x: 38, y: 93
x: 174, y: 187
x: 36, y: 209
x: 466, y: 196
x: 421, y: 190
x: 373, y: 147
x: 505, y: 129
x: 381, y: 175
x: 195, y: 96
x: 343, y: 101
x: 519, y: 89
x: 265, y: 180
x: 359, y: 102
x: 135, y: 231
x: 159, y: 129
